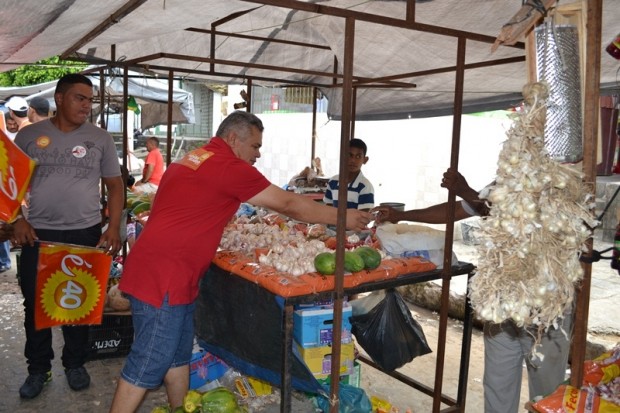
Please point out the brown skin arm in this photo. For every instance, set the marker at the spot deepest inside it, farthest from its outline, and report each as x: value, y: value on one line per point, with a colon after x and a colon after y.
x: 111, y: 237
x: 305, y: 209
x: 147, y: 174
x: 435, y: 214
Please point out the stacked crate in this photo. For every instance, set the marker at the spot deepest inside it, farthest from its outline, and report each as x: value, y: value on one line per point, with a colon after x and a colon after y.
x: 313, y: 332
x: 112, y: 338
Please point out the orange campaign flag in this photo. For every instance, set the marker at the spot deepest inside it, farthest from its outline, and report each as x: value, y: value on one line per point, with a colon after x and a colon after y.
x: 16, y: 169
x: 71, y: 284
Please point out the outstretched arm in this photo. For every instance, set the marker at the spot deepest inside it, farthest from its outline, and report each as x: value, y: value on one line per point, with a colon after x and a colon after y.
x: 305, y: 209
x: 435, y: 214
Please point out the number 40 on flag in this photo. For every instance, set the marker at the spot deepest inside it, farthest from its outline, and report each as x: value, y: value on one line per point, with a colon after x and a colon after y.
x: 71, y: 284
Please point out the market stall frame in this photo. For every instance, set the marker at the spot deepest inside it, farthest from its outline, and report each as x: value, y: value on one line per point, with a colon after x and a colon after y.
x: 348, y: 115
x: 211, y: 301
x: 350, y: 83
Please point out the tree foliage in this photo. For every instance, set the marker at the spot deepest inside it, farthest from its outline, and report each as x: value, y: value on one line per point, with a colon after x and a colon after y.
x: 42, y: 71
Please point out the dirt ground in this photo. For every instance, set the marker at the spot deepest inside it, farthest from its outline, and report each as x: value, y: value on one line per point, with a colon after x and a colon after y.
x: 58, y: 397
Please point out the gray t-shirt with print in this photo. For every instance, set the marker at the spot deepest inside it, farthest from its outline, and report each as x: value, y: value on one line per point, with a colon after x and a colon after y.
x: 65, y: 186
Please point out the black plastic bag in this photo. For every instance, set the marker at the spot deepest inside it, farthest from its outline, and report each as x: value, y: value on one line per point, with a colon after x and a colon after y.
x: 389, y: 334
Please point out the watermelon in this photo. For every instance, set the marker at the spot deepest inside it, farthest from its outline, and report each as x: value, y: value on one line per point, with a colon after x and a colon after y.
x: 325, y: 263
x: 371, y: 257
x: 140, y: 207
x: 219, y: 400
x: 353, y: 262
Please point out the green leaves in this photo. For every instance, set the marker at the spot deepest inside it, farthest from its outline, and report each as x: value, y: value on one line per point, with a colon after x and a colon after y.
x: 45, y: 70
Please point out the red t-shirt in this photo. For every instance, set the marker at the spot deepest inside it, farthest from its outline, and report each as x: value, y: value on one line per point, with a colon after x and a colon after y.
x: 197, y: 197
x: 154, y: 158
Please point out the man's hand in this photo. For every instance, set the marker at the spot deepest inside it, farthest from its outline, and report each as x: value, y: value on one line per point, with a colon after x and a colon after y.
x: 23, y: 233
x: 110, y: 241
x: 358, y: 220
x: 385, y: 214
x: 454, y: 181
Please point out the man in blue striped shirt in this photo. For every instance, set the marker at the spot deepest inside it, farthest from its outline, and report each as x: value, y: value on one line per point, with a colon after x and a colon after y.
x: 361, y: 194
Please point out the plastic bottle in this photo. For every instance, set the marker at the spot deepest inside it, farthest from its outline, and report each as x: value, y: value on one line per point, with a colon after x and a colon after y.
x: 613, y: 48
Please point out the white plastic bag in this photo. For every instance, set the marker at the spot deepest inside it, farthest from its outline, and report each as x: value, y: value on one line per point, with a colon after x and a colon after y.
x: 407, y: 240
x: 364, y: 304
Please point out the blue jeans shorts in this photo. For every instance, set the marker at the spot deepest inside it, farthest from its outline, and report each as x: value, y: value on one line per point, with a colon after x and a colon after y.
x: 163, y: 339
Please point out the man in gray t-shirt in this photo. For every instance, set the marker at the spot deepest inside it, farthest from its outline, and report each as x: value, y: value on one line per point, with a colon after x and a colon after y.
x: 73, y: 157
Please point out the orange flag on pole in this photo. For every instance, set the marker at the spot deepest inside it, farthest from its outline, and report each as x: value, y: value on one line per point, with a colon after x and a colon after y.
x: 15, y: 170
x: 71, y: 284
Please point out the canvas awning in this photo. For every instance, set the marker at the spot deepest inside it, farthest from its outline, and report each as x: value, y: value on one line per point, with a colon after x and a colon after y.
x: 300, y: 42
x: 151, y: 94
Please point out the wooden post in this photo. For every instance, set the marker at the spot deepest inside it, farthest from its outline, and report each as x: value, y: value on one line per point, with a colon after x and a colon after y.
x: 592, y: 73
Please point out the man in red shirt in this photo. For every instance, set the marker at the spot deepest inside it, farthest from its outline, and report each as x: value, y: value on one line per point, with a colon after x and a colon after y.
x: 153, y: 168
x: 197, y: 197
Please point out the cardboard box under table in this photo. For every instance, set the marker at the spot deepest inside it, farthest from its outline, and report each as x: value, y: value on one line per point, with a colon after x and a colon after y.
x: 352, y: 379
x: 313, y: 326
x: 319, y: 359
x: 204, y: 367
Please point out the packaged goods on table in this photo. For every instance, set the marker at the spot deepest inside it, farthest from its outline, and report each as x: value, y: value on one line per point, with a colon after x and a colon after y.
x: 599, y: 393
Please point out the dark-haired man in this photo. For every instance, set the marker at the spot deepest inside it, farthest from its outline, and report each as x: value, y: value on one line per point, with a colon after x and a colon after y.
x: 39, y: 109
x: 360, y: 194
x: 72, y: 156
x: 153, y: 168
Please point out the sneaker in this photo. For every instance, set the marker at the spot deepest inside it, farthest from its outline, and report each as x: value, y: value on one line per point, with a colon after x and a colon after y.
x: 78, y: 378
x: 4, y: 268
x: 34, y: 384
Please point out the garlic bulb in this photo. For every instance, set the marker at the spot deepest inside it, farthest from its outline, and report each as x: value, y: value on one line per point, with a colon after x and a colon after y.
x: 290, y: 251
x: 536, y: 229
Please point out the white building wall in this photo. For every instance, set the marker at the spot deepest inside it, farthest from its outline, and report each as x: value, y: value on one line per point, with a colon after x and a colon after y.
x: 406, y: 158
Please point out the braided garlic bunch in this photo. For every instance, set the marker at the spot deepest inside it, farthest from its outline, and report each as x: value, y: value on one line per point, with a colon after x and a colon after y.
x: 539, y: 221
